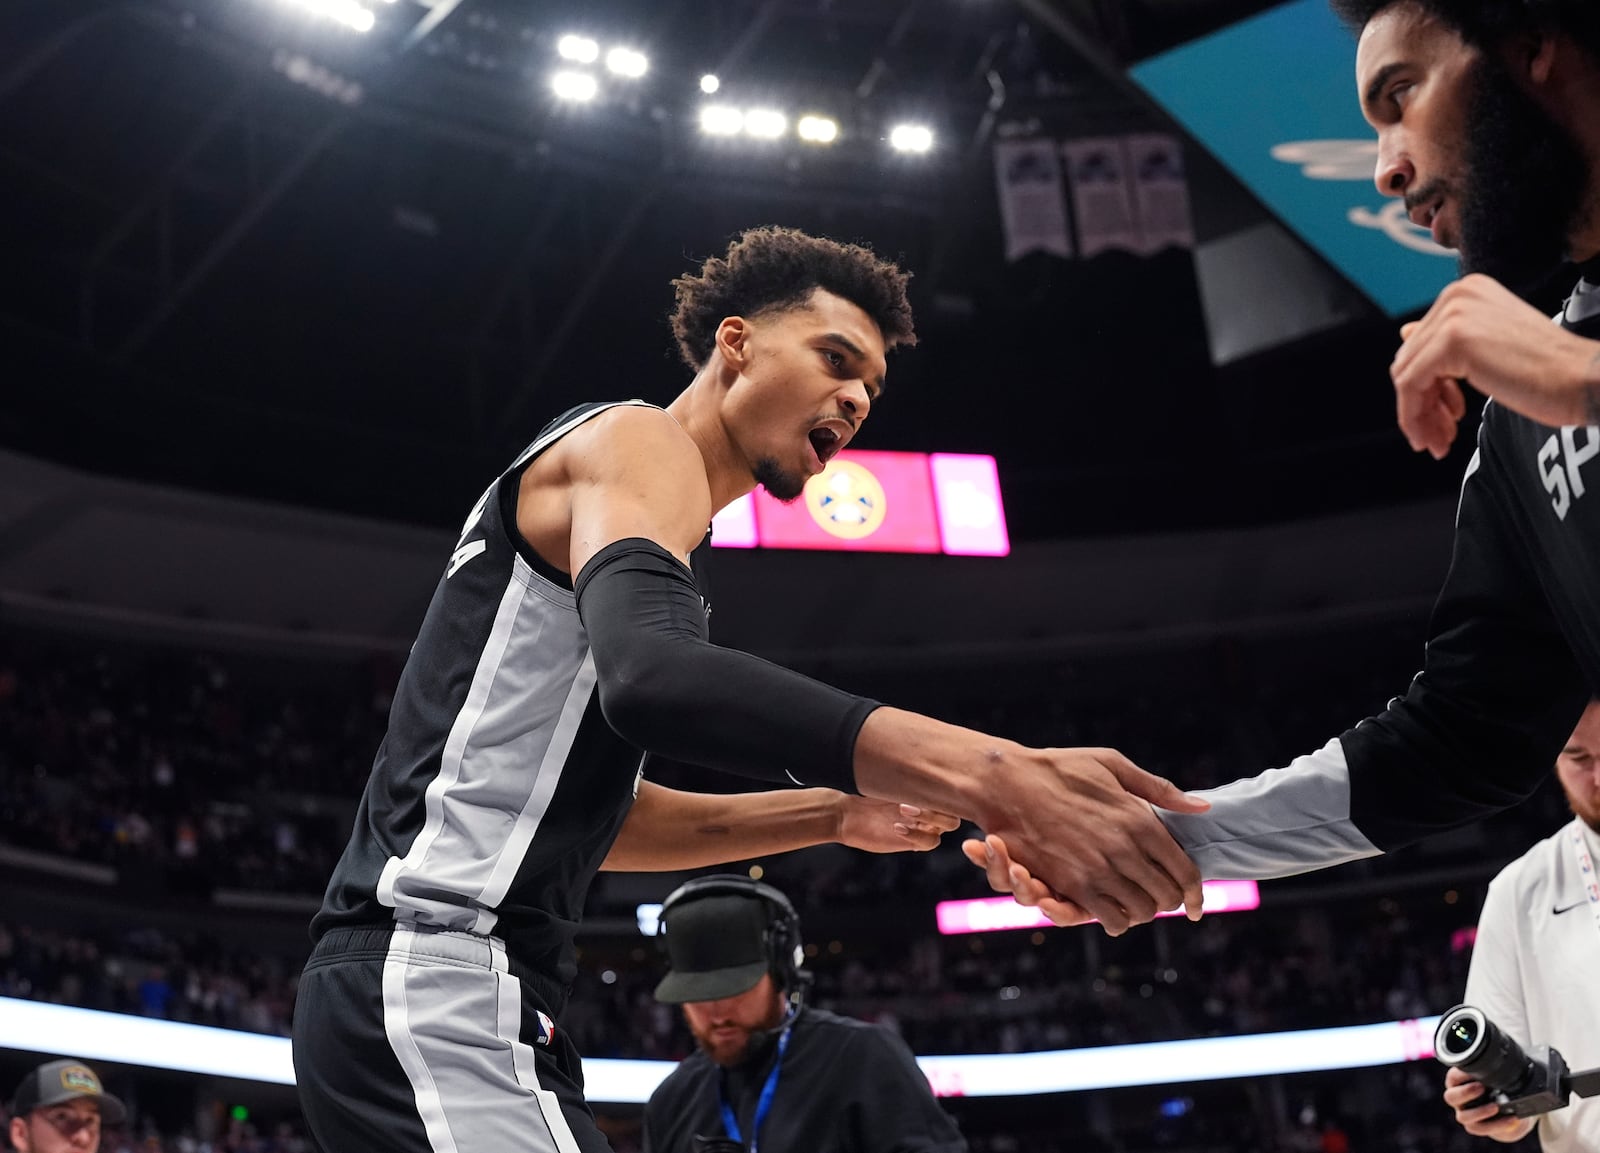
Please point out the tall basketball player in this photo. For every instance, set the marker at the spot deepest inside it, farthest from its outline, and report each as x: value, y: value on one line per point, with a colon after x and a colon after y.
x: 567, y: 638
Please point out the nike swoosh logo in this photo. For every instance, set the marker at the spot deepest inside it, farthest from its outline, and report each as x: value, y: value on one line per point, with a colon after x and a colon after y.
x: 1559, y: 909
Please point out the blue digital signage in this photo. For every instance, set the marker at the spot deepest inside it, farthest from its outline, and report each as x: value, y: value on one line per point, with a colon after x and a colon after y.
x: 1274, y: 98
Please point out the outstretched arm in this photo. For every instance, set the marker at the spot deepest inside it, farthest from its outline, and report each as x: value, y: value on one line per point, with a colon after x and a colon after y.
x: 668, y: 830
x: 1081, y: 818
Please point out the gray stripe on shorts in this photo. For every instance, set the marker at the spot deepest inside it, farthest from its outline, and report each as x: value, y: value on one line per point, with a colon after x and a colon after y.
x: 453, y: 1015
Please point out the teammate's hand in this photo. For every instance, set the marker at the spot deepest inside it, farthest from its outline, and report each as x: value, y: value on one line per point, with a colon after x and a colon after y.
x: 1482, y: 1120
x: 1081, y: 822
x: 1006, y: 876
x: 1480, y: 332
x: 886, y: 827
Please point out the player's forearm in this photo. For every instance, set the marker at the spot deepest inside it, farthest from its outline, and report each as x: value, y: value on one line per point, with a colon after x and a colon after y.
x: 905, y: 757
x: 668, y: 830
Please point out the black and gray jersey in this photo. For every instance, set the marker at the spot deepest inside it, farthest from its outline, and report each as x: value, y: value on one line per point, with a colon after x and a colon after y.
x: 1513, y: 656
x: 499, y: 788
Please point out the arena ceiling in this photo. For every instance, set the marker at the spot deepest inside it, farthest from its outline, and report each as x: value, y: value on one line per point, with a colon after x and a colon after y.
x: 255, y: 251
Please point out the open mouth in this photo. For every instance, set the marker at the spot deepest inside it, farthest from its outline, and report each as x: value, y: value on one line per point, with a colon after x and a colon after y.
x: 825, y: 442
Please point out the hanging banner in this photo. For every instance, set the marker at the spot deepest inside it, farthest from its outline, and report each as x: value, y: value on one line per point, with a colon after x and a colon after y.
x: 1033, y: 207
x: 1161, y: 191
x: 1102, y: 196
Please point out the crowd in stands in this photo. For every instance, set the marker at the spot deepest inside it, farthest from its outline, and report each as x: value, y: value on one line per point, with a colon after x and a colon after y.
x: 234, y: 1137
x: 142, y: 971
x: 165, y: 766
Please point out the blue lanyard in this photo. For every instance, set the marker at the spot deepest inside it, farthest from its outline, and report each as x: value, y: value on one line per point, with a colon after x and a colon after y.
x: 730, y: 1123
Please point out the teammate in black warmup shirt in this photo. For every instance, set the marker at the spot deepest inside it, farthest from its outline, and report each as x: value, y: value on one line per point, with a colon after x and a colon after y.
x: 515, y: 748
x: 770, y: 1072
x: 1488, y: 119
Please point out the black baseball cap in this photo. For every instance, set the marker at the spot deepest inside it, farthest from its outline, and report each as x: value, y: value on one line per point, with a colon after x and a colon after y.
x: 717, y: 947
x: 65, y: 1080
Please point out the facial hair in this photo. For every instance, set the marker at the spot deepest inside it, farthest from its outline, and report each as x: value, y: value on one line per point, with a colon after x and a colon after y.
x: 779, y: 481
x: 1525, y: 182
x: 1588, y: 814
x: 755, y: 1041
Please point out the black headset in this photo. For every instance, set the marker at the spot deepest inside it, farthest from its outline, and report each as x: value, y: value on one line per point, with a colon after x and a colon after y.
x: 781, y: 938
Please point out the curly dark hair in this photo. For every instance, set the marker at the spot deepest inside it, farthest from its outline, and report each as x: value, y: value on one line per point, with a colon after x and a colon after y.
x: 1485, y: 23
x: 771, y: 268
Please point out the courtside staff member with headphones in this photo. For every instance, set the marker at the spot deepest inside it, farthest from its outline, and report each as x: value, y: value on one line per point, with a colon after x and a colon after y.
x: 772, y: 1074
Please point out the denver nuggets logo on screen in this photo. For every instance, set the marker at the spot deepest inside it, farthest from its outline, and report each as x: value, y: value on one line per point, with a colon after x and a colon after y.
x: 846, y: 500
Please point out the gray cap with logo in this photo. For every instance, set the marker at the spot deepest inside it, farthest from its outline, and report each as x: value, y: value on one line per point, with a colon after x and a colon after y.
x: 56, y: 1082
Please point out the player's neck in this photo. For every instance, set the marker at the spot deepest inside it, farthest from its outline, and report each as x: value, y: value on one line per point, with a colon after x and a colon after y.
x: 727, y: 473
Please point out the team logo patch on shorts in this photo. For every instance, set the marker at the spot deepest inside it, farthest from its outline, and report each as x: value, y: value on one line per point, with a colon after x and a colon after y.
x: 547, y: 1028
x: 77, y: 1079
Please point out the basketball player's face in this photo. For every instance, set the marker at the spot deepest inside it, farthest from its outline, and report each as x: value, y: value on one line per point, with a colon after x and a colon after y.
x: 1479, y: 162
x: 71, y: 1127
x: 724, y: 1028
x: 1578, y: 766
x: 809, y: 381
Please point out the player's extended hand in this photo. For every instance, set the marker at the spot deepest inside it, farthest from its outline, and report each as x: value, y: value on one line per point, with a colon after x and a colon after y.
x: 1481, y: 1121
x: 887, y: 827
x: 1081, y: 822
x: 1006, y: 876
x: 1480, y: 332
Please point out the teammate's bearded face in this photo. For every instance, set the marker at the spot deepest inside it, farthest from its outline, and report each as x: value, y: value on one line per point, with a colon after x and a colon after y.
x: 1477, y: 159
x: 1525, y: 184
x: 808, y: 381
x: 725, y: 1028
x: 1578, y: 766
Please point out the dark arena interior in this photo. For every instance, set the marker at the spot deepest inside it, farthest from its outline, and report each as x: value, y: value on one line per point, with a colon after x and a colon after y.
x: 286, y: 282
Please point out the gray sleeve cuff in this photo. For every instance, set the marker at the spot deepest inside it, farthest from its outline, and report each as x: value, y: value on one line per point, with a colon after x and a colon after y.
x: 1285, y: 821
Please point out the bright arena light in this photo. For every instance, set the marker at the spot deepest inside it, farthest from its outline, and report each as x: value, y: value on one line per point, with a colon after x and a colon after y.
x: 818, y: 129
x: 579, y: 49
x: 578, y: 86
x: 721, y: 120
x: 911, y: 138
x: 627, y: 62
x: 709, y: 84
x: 765, y: 123
x: 99, y: 1036
x: 347, y: 12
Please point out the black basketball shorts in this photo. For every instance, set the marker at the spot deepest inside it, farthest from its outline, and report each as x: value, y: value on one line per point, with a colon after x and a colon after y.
x: 409, y: 1040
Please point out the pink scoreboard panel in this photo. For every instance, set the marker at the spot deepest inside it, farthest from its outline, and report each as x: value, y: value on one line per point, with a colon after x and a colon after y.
x: 879, y: 502
x: 987, y: 914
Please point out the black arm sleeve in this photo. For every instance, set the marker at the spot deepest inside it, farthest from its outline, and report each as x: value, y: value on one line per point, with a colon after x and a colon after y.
x: 1498, y: 694
x: 664, y: 687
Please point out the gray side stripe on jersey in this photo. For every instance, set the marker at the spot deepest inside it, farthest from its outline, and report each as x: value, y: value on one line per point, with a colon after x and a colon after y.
x: 452, y: 1014
x: 455, y: 746
x: 1282, y: 822
x: 544, y: 782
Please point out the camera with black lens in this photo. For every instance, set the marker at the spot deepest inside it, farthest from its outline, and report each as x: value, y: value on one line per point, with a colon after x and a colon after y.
x: 1523, y: 1084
